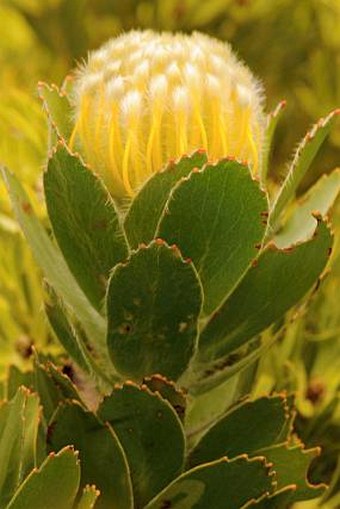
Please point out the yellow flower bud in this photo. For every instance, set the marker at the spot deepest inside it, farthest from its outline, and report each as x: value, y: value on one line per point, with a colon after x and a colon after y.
x: 145, y: 98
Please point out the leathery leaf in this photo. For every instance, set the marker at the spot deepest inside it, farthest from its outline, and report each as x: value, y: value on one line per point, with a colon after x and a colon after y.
x: 153, y: 303
x: 151, y: 435
x: 218, y: 484
x: 278, y: 500
x: 54, y: 484
x: 146, y: 208
x: 246, y: 428
x: 19, y: 421
x: 291, y: 464
x: 168, y: 390
x: 319, y: 199
x: 52, y: 263
x: 103, y: 462
x: 217, y: 218
x: 58, y: 108
x: 85, y: 222
x: 275, y: 283
x: 303, y: 158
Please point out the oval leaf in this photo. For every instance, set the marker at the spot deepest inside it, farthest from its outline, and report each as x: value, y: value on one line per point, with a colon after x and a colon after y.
x: 145, y: 210
x: 291, y: 464
x: 102, y: 458
x: 151, y: 435
x: 275, y: 283
x: 54, y: 485
x: 217, y: 217
x: 218, y: 485
x: 153, y: 303
x: 85, y: 222
x: 247, y: 428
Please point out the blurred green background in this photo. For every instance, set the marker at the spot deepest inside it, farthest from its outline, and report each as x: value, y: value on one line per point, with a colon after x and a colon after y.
x: 292, y: 46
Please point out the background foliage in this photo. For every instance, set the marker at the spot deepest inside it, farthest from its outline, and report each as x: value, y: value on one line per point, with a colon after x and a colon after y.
x: 294, y: 47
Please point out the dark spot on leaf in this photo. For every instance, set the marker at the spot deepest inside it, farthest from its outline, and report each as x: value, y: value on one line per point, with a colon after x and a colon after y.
x: 125, y: 328
x: 68, y: 371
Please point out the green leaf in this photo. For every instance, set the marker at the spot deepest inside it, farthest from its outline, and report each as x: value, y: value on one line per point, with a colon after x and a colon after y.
x: 15, y: 378
x: 52, y: 263
x: 151, y: 435
x: 319, y: 199
x: 66, y: 335
x: 147, y: 207
x: 74, y: 340
x: 291, y: 464
x: 102, y: 458
x: 63, y: 382
x: 53, y: 485
x: 31, y: 421
x: 217, y: 218
x: 303, y: 158
x: 88, y: 498
x: 272, y: 120
x: 279, y: 500
x: 85, y: 222
x: 19, y: 419
x: 275, y: 283
x: 212, y: 375
x: 246, y: 428
x: 49, y: 393
x: 218, y: 485
x: 58, y: 108
x: 52, y: 386
x: 168, y: 390
x: 153, y: 303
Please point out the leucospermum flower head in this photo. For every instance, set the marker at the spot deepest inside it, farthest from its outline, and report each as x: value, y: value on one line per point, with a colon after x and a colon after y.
x: 145, y: 98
